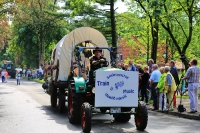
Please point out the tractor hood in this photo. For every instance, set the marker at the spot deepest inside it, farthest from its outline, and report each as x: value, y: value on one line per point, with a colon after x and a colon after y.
x: 109, y: 69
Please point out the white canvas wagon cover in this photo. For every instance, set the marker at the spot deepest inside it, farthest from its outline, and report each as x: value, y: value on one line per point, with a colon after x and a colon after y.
x: 65, y: 47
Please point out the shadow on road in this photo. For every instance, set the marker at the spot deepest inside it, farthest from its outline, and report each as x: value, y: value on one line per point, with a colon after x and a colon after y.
x: 100, y: 123
x: 60, y: 118
x: 3, y: 93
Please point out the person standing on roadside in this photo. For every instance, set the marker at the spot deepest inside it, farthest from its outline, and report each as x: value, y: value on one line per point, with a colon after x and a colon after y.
x: 140, y: 70
x: 154, y: 78
x: 150, y: 64
x: 29, y: 74
x: 192, y: 75
x: 170, y: 86
x: 40, y: 72
x: 174, y: 72
x: 162, y: 91
x: 131, y: 66
x: 18, y: 78
x: 6, y: 76
x: 144, y: 82
x: 3, y: 75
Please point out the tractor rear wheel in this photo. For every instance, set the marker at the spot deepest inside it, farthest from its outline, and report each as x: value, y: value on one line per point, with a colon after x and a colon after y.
x: 86, y: 117
x: 54, y: 96
x: 62, y: 101
x: 75, y: 100
x: 141, y: 118
x: 123, y: 117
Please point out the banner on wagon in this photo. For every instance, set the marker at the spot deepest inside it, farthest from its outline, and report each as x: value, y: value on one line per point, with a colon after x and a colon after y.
x: 116, y: 89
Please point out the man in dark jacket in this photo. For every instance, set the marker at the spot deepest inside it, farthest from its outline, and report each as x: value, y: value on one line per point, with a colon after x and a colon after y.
x: 95, y: 63
x: 140, y: 70
x: 97, y: 59
x: 174, y: 73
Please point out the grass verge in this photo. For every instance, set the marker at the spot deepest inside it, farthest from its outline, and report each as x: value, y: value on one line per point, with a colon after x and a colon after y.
x: 187, y: 97
x: 39, y: 81
x: 184, y: 97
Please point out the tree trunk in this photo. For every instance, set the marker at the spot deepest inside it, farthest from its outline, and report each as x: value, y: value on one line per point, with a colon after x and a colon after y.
x: 41, y: 61
x: 166, y: 50
x: 148, y: 47
x: 113, y: 28
x: 113, y: 25
x: 154, y: 42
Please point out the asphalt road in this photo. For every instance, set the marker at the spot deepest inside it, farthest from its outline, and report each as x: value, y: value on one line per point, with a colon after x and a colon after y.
x: 26, y: 109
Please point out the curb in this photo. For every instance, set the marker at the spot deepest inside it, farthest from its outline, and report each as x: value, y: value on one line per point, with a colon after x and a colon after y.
x: 180, y: 115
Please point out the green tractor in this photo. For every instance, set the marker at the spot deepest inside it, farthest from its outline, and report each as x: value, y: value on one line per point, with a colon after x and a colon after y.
x: 107, y: 89
x: 112, y: 91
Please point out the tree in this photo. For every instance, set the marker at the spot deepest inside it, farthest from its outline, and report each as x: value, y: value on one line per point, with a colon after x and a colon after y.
x: 38, y: 25
x: 181, y: 10
x: 135, y: 29
x: 173, y: 14
x: 151, y: 10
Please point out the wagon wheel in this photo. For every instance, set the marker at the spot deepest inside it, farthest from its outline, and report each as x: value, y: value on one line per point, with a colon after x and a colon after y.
x: 141, y: 118
x: 75, y: 101
x: 62, y: 101
x: 53, y: 96
x: 86, y: 117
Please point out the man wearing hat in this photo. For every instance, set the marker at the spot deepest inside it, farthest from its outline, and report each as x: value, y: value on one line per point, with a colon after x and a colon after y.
x: 97, y: 59
x: 95, y: 62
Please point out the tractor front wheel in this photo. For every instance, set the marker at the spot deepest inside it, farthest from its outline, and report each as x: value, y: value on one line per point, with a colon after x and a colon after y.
x: 86, y: 117
x: 75, y: 100
x: 141, y: 118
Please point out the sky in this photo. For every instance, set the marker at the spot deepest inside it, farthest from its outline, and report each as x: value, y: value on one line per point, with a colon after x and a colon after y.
x: 121, y: 6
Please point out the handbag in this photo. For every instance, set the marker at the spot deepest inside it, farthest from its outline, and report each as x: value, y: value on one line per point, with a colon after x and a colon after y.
x: 181, y: 108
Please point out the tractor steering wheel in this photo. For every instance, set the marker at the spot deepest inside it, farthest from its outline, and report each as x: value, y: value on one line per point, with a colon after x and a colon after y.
x: 104, y: 64
x: 101, y: 64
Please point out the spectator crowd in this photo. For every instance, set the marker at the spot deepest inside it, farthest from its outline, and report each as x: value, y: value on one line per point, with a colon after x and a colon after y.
x: 163, y: 83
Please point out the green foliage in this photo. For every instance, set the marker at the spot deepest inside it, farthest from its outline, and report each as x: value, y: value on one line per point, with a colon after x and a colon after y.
x: 37, y: 27
x: 177, y: 20
x: 89, y: 13
x: 36, y: 30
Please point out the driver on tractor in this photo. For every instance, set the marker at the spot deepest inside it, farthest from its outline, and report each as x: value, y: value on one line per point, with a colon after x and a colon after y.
x: 96, y: 62
x: 97, y: 59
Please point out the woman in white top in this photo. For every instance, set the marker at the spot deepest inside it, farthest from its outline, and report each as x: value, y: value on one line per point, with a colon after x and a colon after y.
x: 3, y: 76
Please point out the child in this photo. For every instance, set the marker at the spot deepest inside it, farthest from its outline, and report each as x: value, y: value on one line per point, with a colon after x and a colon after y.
x: 18, y: 78
x: 162, y: 91
x: 6, y: 76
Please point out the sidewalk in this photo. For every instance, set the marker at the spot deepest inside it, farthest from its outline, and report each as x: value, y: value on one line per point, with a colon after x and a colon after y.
x: 186, y: 104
